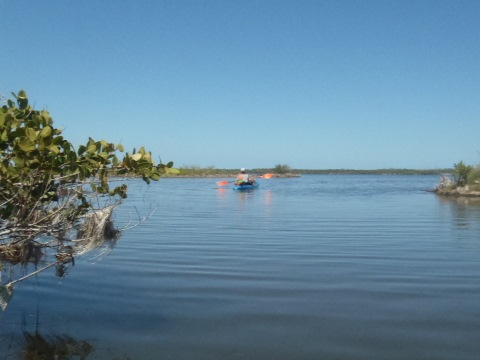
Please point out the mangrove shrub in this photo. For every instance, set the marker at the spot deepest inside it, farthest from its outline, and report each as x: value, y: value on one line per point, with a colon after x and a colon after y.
x: 49, y: 189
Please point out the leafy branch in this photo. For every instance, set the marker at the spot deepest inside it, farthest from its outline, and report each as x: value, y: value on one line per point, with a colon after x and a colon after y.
x: 52, y: 193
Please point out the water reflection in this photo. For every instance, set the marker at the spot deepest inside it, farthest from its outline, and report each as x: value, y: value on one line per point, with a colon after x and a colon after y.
x: 465, y: 210
x: 40, y: 347
x: 225, y: 195
x: 244, y: 194
x: 222, y: 193
x: 31, y: 259
x: 35, y: 345
x: 460, y: 200
x: 267, y: 198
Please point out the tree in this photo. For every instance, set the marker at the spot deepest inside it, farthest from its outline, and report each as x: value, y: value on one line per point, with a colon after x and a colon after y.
x: 460, y: 173
x: 281, y: 169
x: 51, y: 193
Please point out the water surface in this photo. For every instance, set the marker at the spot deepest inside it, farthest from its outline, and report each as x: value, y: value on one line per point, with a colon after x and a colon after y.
x: 318, y: 267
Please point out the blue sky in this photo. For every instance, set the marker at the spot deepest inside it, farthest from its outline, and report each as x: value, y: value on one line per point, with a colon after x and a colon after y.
x: 315, y: 84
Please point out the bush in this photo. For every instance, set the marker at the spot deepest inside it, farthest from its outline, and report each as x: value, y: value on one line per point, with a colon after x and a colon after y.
x: 281, y: 169
x: 460, y: 173
x: 473, y: 178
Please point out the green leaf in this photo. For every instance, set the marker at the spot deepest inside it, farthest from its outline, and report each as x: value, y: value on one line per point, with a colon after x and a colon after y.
x: 91, y: 149
x: 58, y: 141
x: 54, y: 149
x: 103, y: 155
x: 136, y: 157
x: 46, y: 132
x: 120, y: 148
x: 45, y: 118
x: 31, y: 134
x: 26, y: 146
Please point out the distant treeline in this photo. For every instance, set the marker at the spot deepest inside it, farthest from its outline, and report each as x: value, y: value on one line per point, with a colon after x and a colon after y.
x: 212, y: 171
x: 374, y: 172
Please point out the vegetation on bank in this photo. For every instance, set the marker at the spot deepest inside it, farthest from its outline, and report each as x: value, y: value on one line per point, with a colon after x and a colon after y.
x: 53, y: 196
x: 211, y: 171
x: 374, y: 172
x: 285, y: 170
x: 463, y: 180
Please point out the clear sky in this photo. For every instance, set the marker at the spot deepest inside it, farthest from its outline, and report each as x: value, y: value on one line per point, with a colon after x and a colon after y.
x: 320, y: 84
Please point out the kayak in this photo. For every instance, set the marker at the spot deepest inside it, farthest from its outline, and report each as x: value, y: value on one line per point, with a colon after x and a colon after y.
x: 246, y: 186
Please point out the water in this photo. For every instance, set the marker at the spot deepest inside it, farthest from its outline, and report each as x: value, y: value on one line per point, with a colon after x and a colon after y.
x: 318, y: 267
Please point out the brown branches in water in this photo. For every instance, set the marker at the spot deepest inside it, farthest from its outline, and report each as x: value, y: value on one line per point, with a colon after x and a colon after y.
x: 53, y: 225
x: 49, y: 231
x: 56, y: 228
x: 21, y: 253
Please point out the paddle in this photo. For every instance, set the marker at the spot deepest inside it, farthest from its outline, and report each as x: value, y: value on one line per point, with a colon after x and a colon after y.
x: 225, y: 182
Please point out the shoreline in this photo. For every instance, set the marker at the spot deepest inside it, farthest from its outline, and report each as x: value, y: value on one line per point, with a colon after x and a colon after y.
x: 458, y: 192
x: 213, y: 176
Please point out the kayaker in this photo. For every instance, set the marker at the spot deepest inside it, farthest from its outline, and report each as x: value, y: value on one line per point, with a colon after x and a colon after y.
x: 244, y: 178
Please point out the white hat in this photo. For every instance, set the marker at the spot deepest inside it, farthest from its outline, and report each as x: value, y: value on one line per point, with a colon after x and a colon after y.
x: 242, y: 169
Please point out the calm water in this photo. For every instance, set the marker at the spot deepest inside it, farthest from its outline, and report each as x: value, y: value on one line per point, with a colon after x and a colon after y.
x: 317, y: 267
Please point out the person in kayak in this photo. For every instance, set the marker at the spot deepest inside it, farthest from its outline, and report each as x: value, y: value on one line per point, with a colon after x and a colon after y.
x: 244, y: 179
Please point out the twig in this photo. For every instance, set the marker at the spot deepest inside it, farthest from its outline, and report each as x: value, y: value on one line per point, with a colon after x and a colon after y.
x: 10, y: 284
x: 140, y: 220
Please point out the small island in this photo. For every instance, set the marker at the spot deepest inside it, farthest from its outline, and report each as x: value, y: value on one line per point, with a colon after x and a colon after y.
x: 463, y: 181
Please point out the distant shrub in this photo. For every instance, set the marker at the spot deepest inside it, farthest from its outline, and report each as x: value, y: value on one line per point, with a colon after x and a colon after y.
x: 460, y: 173
x: 281, y: 169
x: 473, y: 178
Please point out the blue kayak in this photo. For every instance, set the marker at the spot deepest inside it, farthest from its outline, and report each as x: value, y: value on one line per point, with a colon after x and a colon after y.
x: 246, y: 186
